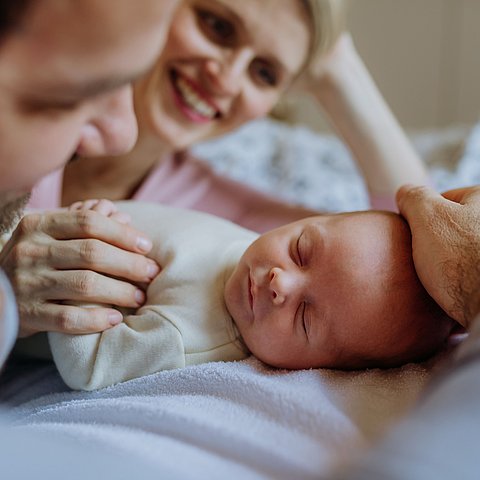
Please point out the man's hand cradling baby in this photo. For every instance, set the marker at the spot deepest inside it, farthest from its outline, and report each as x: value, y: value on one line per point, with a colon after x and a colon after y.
x: 446, y: 241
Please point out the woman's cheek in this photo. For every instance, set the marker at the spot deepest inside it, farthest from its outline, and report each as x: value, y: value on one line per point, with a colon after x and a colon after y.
x: 259, y: 105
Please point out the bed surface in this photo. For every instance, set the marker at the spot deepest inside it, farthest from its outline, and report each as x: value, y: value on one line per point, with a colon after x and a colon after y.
x: 221, y: 420
x: 243, y: 419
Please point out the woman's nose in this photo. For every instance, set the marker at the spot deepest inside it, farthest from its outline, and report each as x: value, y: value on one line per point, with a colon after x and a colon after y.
x: 227, y: 73
x: 112, y: 128
x: 282, y: 284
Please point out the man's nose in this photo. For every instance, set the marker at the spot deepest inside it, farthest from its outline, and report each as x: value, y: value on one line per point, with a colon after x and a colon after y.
x: 226, y: 74
x: 282, y: 284
x: 113, y: 129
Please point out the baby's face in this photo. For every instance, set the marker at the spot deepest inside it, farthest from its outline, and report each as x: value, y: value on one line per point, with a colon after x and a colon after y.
x: 315, y: 292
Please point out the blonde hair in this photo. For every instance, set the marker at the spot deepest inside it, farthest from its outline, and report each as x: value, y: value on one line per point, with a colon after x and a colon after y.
x: 327, y: 23
x: 328, y: 18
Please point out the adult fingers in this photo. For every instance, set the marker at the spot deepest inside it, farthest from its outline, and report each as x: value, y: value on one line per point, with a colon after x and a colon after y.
x: 463, y: 195
x: 70, y: 319
x: 416, y: 202
x: 91, y: 254
x: 87, y: 224
x: 90, y: 287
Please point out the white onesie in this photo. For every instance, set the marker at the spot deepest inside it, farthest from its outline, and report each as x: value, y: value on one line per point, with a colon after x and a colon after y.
x: 184, y: 320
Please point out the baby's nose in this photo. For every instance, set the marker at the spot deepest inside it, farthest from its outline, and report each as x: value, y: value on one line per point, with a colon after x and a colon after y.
x: 280, y: 283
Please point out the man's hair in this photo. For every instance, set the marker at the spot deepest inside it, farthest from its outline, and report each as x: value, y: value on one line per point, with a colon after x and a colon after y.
x: 11, y: 14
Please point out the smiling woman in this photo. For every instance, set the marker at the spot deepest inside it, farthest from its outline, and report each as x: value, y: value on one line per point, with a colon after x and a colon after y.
x: 223, y: 65
x: 225, y: 62
x: 221, y: 68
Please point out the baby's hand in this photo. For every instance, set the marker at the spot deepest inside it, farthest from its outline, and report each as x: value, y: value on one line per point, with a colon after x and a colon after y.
x: 104, y: 207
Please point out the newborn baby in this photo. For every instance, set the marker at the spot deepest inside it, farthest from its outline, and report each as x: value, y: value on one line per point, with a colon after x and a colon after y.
x: 335, y: 291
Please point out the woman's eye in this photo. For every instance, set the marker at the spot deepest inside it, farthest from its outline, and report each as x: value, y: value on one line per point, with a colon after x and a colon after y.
x: 264, y: 73
x: 217, y: 28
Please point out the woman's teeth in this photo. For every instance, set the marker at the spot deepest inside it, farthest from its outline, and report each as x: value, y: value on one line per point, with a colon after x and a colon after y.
x: 193, y: 100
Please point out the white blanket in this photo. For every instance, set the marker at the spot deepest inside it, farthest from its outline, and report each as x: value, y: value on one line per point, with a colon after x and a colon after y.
x: 225, y: 420
x: 244, y: 420
x: 318, y: 171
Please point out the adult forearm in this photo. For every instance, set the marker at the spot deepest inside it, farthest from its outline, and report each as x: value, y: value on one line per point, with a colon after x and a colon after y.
x: 357, y: 110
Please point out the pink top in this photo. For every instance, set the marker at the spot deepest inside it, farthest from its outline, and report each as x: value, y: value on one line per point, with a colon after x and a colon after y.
x: 186, y: 182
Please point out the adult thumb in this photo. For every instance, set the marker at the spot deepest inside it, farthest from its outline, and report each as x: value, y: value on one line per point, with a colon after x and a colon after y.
x: 415, y: 201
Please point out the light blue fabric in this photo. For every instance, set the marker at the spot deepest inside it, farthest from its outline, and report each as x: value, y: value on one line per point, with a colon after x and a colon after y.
x: 8, y: 318
x: 30, y: 455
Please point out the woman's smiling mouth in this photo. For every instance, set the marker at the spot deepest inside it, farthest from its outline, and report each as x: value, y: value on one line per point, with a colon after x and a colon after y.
x: 190, y: 100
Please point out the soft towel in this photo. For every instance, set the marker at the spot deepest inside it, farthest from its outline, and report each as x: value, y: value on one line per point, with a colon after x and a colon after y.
x: 224, y: 420
x: 243, y: 419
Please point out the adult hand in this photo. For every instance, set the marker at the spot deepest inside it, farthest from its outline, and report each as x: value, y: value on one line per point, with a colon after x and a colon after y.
x: 78, y: 256
x: 348, y: 95
x: 446, y: 246
x: 326, y: 69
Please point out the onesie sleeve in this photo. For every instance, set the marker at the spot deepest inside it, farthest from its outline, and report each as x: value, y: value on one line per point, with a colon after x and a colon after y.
x: 144, y: 343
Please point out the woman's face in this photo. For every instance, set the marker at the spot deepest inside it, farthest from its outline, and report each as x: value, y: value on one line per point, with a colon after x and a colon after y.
x: 225, y: 62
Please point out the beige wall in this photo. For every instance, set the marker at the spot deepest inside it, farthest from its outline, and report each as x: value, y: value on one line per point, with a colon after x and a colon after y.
x: 424, y: 55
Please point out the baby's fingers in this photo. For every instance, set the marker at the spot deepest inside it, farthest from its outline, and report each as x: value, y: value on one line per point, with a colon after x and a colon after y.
x: 83, y: 205
x: 105, y: 207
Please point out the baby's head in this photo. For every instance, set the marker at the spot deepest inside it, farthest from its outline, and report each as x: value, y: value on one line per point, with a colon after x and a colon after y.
x: 335, y: 291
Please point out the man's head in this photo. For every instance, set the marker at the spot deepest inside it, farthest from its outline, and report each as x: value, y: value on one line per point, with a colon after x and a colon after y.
x: 337, y: 291
x: 11, y: 11
x: 65, y: 66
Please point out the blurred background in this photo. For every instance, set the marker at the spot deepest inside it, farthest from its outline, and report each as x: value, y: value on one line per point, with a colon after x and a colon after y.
x: 424, y: 56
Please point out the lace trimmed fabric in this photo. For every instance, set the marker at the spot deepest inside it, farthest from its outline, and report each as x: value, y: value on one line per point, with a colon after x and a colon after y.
x: 317, y: 170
